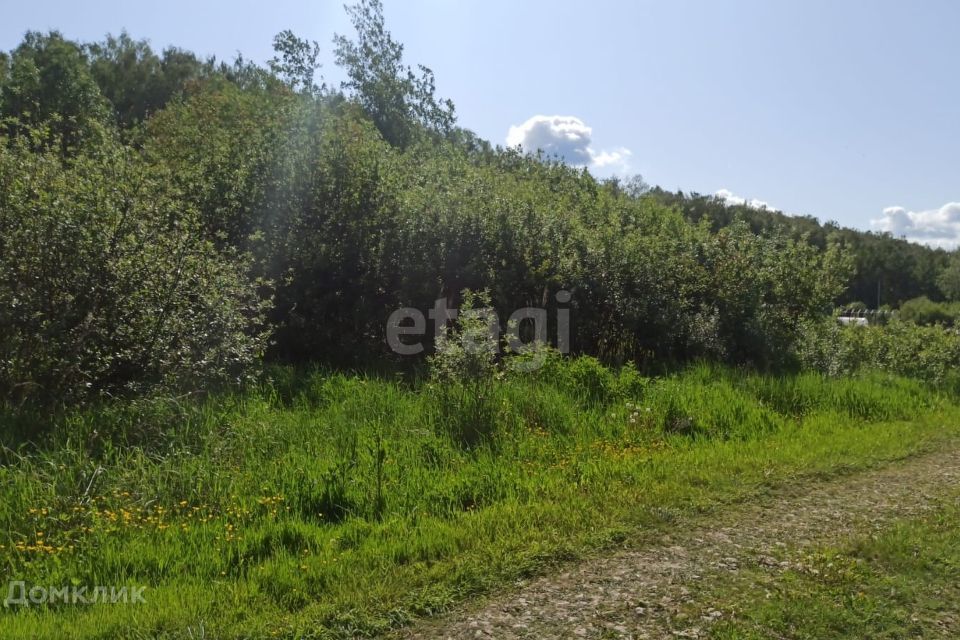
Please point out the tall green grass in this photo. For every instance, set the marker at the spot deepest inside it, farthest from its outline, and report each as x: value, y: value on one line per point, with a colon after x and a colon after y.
x: 335, y: 505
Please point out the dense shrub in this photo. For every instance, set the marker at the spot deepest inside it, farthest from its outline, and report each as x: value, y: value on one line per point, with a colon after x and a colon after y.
x: 106, y: 283
x: 351, y: 229
x: 929, y: 353
x: 924, y: 311
x: 136, y: 264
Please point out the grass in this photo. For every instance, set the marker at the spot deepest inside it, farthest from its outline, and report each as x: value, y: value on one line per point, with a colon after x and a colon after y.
x: 901, y: 582
x: 329, y: 505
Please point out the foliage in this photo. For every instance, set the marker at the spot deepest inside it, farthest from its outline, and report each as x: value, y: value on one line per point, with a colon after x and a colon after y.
x: 886, y: 270
x: 396, y: 99
x: 106, y: 284
x: 136, y: 81
x: 296, y: 61
x: 929, y: 353
x: 49, y: 85
x: 464, y: 369
x: 467, y: 352
x: 924, y: 311
x: 354, y: 204
x: 948, y: 281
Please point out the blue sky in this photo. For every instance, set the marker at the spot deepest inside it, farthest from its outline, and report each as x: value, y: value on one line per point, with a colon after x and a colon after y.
x: 848, y: 110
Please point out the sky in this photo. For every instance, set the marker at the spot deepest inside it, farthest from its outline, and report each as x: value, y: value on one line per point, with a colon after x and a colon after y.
x: 847, y: 110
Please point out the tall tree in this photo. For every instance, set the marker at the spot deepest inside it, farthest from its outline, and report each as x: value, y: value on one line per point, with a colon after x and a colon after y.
x: 396, y: 98
x: 136, y: 80
x: 127, y: 72
x: 295, y: 61
x: 49, y: 84
x: 949, y: 279
x: 4, y: 68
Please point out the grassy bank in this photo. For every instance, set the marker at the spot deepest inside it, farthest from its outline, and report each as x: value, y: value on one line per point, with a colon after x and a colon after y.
x: 333, y: 505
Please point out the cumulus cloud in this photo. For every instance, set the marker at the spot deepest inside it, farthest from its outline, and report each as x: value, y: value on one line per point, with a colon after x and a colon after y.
x: 935, y: 227
x: 569, y: 138
x: 731, y: 198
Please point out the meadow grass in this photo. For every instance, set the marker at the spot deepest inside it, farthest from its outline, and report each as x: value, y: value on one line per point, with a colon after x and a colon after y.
x: 334, y: 505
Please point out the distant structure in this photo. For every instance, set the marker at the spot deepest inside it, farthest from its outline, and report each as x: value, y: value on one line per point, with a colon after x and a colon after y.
x: 863, y: 317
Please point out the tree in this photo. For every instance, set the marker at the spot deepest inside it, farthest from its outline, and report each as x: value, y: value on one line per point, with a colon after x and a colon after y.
x: 137, y: 81
x: 50, y: 85
x: 636, y: 186
x: 296, y: 61
x: 396, y: 98
x: 948, y: 280
x: 127, y: 73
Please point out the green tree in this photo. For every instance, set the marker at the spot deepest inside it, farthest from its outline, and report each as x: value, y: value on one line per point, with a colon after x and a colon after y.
x: 948, y: 280
x: 395, y: 97
x: 296, y: 61
x: 50, y: 84
x: 135, y: 80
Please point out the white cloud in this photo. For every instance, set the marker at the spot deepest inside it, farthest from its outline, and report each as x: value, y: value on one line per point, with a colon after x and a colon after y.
x: 731, y: 198
x: 617, y: 157
x: 569, y: 138
x: 935, y: 227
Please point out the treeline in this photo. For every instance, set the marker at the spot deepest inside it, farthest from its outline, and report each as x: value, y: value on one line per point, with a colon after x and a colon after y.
x: 887, y: 271
x: 171, y: 222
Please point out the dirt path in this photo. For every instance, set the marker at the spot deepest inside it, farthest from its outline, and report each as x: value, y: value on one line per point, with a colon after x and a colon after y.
x: 646, y: 593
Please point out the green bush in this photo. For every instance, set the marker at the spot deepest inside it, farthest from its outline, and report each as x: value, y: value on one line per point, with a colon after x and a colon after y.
x: 930, y: 353
x: 351, y: 228
x: 107, y: 285
x: 924, y: 311
x: 464, y: 369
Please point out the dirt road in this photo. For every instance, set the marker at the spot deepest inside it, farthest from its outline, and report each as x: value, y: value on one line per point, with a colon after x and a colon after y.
x: 648, y: 592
